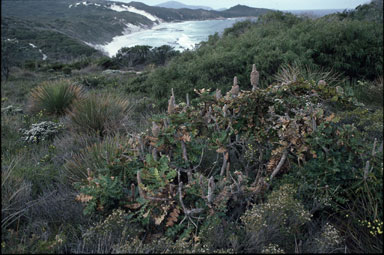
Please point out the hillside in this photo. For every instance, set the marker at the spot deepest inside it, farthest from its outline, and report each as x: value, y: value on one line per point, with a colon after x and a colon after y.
x: 178, y: 5
x: 90, y: 23
x: 242, y: 10
x: 83, y: 24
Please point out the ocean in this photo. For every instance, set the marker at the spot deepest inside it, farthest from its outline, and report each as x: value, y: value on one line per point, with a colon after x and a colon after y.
x: 180, y: 35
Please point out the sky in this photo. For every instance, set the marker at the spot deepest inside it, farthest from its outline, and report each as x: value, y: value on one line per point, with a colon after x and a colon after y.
x: 270, y: 4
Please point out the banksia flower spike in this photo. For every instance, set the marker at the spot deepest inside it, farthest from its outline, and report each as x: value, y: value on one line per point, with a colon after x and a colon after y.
x: 225, y: 108
x: 321, y: 83
x: 235, y: 88
x: 254, y: 78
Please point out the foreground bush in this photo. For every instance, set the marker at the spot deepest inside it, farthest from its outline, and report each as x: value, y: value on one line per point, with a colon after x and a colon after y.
x: 99, y: 114
x: 277, y: 221
x: 168, y: 179
x: 54, y: 97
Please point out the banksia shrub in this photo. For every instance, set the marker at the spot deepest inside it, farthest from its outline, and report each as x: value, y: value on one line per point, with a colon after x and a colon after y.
x: 54, y: 97
x: 101, y: 114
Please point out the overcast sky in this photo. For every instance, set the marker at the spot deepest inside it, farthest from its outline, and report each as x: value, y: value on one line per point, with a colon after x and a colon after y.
x: 270, y: 4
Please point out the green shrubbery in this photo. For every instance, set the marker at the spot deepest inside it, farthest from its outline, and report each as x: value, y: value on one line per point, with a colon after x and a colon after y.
x: 346, y: 46
x: 157, y: 175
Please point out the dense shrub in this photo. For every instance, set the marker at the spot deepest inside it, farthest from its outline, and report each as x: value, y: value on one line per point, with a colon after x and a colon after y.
x: 141, y: 55
x: 277, y: 221
x: 54, y: 97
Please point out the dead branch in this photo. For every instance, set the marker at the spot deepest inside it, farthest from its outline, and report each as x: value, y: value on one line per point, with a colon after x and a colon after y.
x: 224, y: 166
x: 281, y: 163
x: 211, y: 189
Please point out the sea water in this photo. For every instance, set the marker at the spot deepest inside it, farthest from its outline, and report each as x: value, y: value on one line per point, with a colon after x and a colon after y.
x: 179, y: 35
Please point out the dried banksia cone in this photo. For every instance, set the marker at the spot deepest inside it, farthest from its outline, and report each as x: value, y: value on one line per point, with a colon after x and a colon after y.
x: 171, y: 105
x: 235, y: 88
x: 225, y: 108
x: 321, y: 83
x: 211, y: 189
x: 254, y: 78
x: 208, y: 115
x: 218, y: 94
x: 89, y: 172
x: 155, y: 129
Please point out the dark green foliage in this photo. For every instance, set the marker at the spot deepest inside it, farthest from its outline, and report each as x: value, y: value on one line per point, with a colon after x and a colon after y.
x: 133, y: 56
x: 348, y: 46
x: 369, y: 12
x: 141, y: 55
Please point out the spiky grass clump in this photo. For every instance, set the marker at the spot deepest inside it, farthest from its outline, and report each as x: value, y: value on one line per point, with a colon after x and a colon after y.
x: 291, y: 73
x: 99, y: 158
x: 15, y: 194
x: 100, y: 114
x: 54, y: 97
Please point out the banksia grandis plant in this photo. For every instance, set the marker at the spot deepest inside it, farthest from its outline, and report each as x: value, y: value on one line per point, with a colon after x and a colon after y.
x: 54, y: 97
x: 254, y: 78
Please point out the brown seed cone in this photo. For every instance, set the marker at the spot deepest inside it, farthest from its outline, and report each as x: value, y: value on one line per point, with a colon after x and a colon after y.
x: 171, y: 105
x: 235, y: 88
x: 254, y: 78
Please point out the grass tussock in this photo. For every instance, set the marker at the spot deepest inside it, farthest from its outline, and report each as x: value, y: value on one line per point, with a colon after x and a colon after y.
x: 289, y: 73
x: 98, y: 157
x: 54, y: 97
x: 101, y: 114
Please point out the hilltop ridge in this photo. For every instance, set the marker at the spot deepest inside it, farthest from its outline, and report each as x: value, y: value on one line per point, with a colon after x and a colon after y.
x: 178, y: 5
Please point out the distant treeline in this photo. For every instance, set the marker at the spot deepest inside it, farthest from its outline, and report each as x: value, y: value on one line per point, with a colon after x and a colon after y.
x: 139, y: 56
